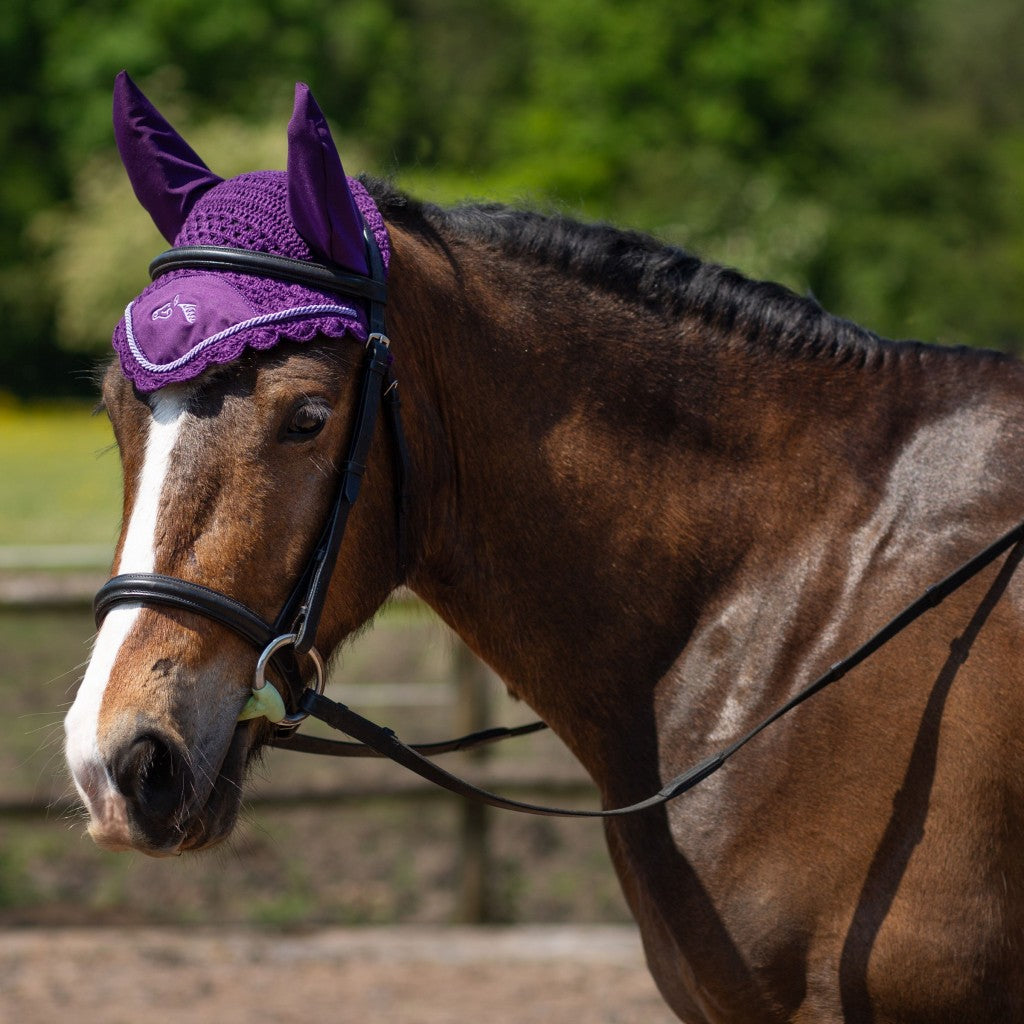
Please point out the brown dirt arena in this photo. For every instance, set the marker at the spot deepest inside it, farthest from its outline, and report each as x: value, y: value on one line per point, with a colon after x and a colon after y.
x: 400, y: 974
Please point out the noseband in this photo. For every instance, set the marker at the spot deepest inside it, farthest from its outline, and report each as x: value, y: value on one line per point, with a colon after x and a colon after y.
x: 293, y: 631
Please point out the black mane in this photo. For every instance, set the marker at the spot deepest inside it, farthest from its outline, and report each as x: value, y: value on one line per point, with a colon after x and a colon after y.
x: 665, y: 280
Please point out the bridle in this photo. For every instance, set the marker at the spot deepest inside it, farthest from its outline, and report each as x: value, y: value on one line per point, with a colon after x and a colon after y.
x: 293, y: 632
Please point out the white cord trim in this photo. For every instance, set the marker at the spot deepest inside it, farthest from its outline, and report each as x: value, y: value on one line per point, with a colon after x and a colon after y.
x: 258, y: 321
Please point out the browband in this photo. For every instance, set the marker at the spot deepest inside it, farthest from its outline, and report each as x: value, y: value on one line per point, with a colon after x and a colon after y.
x: 322, y: 276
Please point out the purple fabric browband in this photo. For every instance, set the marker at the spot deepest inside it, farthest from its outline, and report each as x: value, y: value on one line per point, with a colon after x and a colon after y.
x: 189, y: 320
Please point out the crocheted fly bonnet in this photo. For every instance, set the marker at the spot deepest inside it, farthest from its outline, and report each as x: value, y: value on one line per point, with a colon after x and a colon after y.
x: 188, y: 320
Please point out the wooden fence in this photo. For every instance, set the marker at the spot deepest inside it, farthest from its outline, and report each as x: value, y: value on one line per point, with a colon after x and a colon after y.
x: 470, y: 691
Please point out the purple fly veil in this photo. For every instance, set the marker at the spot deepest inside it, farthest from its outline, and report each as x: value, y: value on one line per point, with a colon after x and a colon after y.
x: 189, y: 320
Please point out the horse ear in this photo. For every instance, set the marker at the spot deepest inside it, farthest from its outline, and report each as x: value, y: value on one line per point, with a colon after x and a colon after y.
x: 319, y: 199
x: 164, y: 170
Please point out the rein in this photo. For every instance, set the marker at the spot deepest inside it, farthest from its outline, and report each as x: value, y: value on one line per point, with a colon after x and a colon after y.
x: 293, y: 632
x: 378, y: 741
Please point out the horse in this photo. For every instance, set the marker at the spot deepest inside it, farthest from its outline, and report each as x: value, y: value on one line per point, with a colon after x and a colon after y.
x: 656, y: 497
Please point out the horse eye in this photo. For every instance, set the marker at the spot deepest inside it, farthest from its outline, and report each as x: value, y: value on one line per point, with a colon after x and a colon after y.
x: 305, y: 422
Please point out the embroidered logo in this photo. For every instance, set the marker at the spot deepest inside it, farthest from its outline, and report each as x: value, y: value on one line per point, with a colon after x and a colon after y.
x: 166, y: 311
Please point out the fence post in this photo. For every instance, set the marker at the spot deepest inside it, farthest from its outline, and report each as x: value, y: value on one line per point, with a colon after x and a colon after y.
x: 473, y: 710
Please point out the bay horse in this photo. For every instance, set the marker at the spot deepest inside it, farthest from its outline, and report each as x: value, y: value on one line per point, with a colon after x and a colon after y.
x: 657, y: 498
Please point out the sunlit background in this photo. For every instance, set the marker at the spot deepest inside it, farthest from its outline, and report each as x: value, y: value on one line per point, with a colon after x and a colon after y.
x: 870, y: 152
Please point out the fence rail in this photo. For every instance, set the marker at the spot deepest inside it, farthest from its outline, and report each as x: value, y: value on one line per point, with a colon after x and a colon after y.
x: 33, y: 557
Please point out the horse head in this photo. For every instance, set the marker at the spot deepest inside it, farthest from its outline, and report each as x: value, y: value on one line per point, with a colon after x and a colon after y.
x: 231, y: 403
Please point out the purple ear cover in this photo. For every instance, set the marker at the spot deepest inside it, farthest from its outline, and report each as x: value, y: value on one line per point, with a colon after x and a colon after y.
x: 189, y: 320
x: 319, y: 200
x: 166, y: 174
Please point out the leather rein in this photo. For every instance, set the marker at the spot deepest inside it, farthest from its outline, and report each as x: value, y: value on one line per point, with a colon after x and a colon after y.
x: 293, y: 632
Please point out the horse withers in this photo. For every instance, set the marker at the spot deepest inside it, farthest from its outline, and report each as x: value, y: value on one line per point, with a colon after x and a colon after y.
x: 656, y: 497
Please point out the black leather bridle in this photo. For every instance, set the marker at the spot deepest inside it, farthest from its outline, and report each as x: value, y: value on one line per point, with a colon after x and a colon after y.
x: 293, y: 632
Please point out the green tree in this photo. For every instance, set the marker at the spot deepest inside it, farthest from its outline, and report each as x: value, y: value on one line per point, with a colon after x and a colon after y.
x: 870, y: 150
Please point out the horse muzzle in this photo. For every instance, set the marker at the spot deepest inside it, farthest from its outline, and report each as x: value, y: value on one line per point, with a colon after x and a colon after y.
x: 143, y: 793
x: 154, y: 746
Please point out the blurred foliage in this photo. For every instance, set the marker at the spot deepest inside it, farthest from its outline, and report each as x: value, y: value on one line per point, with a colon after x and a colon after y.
x: 871, y: 151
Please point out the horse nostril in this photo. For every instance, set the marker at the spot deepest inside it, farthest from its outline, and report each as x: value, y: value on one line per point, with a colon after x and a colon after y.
x: 152, y: 776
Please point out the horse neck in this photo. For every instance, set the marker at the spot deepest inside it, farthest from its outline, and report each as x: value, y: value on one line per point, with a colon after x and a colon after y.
x: 587, y: 475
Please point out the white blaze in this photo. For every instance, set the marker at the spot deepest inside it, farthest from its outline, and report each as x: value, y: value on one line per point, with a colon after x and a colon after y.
x: 137, y: 555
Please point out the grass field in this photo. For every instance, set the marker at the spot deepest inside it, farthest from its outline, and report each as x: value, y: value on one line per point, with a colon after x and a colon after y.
x: 60, y: 480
